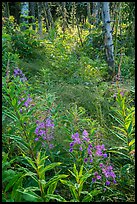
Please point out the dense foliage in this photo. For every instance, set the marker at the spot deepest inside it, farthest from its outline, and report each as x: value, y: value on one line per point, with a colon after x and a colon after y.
x: 68, y: 131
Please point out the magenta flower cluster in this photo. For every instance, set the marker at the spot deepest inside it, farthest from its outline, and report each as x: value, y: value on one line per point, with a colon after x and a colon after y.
x: 84, y: 142
x: 44, y: 132
x: 93, y: 152
x: 18, y: 72
x: 108, y: 172
x: 26, y: 103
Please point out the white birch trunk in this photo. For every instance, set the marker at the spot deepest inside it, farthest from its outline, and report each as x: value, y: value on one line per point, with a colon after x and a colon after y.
x: 24, y: 13
x: 108, y: 34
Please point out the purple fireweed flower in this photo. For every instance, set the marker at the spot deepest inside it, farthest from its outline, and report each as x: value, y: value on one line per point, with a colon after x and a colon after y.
x: 114, y: 181
x: 18, y: 72
x: 86, y: 159
x: 107, y: 183
x: 91, y: 160
x: 89, y: 151
x: 51, y: 146
x: 36, y: 139
x: 48, y: 123
x: 75, y: 135
x: 42, y: 132
x: 101, y: 165
x: 80, y: 148
x: 98, y: 153
x: 85, y: 133
x: 105, y: 155
x: 71, y: 149
x: 27, y: 102
x: 96, y: 173
x: 122, y: 93
x: 90, y: 146
x: 71, y: 144
x: 93, y: 180
x: 37, y: 121
x: 37, y: 130
x: 98, y: 177
x: 85, y: 136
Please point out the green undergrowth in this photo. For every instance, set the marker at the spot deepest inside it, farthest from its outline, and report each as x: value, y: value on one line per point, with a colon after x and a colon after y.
x: 69, y: 85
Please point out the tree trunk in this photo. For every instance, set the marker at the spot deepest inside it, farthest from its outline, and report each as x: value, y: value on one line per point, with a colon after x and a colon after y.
x: 64, y: 16
x: 24, y: 14
x: 89, y: 12
x: 95, y: 12
x: 32, y: 10
x: 46, y: 17
x: 6, y: 9
x: 73, y: 14
x: 108, y: 35
x: 39, y: 18
x: 49, y: 15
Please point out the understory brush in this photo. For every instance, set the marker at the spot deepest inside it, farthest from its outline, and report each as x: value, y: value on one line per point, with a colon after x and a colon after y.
x: 68, y: 134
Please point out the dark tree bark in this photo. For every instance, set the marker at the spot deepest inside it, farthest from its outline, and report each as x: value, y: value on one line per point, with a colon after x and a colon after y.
x: 32, y: 11
x: 46, y: 17
x: 6, y: 9
x: 39, y: 18
x: 89, y: 12
x: 64, y: 17
x: 95, y: 12
x: 49, y: 15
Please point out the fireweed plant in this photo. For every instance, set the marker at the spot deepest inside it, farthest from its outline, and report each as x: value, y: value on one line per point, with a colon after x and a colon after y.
x: 93, y: 155
x: 44, y: 132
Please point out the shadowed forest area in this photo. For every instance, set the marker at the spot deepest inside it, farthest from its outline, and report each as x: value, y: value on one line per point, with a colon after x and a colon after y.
x: 68, y: 101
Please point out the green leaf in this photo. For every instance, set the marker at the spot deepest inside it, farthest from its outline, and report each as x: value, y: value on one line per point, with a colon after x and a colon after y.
x: 10, y: 115
x: 124, y: 139
x: 30, y: 196
x: 13, y: 180
x: 120, y: 153
x: 30, y: 162
x: 55, y: 197
x: 129, y: 130
x: 50, y: 166
x: 71, y: 187
x: 132, y: 142
x: 87, y: 198
x: 14, y: 102
x: 55, y: 179
x: 52, y: 188
x: 81, y: 170
x: 117, y: 119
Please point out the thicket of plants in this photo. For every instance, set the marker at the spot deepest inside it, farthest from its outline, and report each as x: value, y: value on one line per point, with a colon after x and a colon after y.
x: 68, y: 134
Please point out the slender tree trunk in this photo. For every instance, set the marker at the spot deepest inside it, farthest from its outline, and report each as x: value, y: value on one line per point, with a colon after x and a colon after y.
x: 46, y: 17
x: 95, y: 13
x: 6, y: 9
x: 64, y: 16
x: 24, y: 14
x: 73, y: 14
x: 32, y: 10
x: 39, y: 18
x: 49, y: 15
x: 108, y: 35
x: 89, y: 12
x: 79, y: 34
